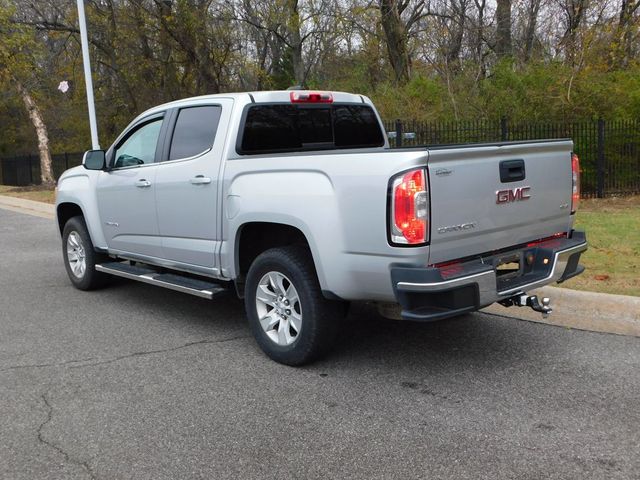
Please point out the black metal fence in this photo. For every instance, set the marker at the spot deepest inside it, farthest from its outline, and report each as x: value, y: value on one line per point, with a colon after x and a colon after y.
x: 609, y: 150
x: 22, y: 170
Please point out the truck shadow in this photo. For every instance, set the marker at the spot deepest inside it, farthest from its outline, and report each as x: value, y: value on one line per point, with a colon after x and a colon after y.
x: 365, y: 338
x: 475, y: 340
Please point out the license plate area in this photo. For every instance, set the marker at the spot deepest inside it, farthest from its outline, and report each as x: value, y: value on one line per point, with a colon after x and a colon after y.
x: 508, y: 267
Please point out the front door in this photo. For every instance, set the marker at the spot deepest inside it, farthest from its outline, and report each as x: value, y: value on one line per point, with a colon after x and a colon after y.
x: 126, y: 192
x: 187, y: 185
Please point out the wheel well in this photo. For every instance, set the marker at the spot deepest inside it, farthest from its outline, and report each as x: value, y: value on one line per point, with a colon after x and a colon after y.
x: 65, y: 212
x: 256, y: 237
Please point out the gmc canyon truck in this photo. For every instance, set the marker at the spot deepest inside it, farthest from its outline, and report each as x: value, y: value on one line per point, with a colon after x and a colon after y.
x: 295, y: 200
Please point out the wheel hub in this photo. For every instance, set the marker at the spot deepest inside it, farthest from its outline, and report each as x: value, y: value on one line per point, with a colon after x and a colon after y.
x: 76, y: 255
x: 279, y: 309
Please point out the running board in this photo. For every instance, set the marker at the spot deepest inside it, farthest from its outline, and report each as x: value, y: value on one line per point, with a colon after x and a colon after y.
x: 172, y: 281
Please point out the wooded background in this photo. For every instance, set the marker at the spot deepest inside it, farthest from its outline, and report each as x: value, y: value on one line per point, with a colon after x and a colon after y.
x: 438, y: 60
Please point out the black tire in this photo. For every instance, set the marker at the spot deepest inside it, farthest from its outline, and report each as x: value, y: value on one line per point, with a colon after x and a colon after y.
x: 319, y: 317
x: 90, y: 279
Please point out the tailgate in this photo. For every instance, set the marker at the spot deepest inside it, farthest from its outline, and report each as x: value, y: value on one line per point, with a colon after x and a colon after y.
x: 476, y: 209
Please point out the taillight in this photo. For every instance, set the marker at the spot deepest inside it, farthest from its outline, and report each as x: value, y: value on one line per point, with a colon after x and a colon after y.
x: 409, y: 215
x: 575, y: 181
x: 311, y: 97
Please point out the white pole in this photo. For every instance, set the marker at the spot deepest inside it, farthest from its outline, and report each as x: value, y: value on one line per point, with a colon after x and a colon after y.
x: 87, y: 75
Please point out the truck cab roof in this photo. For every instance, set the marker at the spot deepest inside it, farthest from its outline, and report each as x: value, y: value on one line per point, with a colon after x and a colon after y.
x: 265, y: 96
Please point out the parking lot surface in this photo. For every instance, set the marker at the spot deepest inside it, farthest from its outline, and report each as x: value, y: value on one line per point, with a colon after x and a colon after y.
x: 136, y: 382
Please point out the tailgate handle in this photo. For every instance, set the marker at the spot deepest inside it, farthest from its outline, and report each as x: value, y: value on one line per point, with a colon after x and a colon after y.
x: 512, y: 171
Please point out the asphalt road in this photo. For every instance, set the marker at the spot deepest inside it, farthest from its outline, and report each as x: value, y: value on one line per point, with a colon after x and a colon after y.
x: 143, y: 383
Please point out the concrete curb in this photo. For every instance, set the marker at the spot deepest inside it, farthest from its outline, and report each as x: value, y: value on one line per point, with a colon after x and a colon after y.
x: 30, y: 207
x: 597, y: 312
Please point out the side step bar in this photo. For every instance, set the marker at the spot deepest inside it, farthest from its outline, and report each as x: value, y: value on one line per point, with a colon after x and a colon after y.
x: 172, y: 281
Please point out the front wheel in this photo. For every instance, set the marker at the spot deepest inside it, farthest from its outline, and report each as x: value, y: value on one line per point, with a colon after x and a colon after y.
x: 289, y: 317
x: 80, y: 258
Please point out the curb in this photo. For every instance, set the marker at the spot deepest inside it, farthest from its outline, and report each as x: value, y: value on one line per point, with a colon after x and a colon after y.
x: 596, y: 312
x: 30, y: 207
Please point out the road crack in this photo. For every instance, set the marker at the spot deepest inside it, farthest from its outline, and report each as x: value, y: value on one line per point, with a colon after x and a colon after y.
x: 45, y: 365
x: 122, y: 357
x: 164, y: 350
x: 41, y: 438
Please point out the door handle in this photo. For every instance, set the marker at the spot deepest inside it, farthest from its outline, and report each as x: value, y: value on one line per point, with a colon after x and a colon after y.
x: 200, y: 180
x: 142, y: 183
x: 512, y: 171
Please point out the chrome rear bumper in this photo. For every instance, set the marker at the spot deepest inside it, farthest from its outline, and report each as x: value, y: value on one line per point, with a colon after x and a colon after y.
x: 433, y: 293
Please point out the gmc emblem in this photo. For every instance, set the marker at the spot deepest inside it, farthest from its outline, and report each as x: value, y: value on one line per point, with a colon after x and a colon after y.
x: 513, y: 195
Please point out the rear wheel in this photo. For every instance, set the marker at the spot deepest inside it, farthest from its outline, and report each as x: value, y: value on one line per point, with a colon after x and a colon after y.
x: 80, y: 258
x: 291, y: 320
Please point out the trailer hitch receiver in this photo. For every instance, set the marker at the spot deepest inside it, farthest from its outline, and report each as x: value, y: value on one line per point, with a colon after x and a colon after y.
x: 532, y: 301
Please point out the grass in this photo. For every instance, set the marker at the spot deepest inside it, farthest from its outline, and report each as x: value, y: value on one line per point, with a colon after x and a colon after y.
x: 613, y: 232
x: 613, y: 259
x: 34, y: 192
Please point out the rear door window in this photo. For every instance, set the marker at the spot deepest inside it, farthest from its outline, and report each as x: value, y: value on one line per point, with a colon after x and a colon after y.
x: 285, y: 128
x: 194, y: 131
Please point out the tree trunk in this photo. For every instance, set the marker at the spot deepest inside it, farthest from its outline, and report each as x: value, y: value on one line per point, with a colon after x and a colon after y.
x: 574, y: 10
x: 46, y: 171
x: 295, y: 40
x: 626, y: 32
x: 168, y: 75
x: 458, y: 13
x: 530, y: 32
x: 503, y: 28
x: 479, y: 37
x: 396, y: 39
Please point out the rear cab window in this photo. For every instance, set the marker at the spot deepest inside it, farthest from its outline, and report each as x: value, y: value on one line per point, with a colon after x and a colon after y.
x: 284, y: 127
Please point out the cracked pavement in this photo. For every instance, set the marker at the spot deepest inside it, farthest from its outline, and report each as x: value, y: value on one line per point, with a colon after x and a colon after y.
x: 136, y: 382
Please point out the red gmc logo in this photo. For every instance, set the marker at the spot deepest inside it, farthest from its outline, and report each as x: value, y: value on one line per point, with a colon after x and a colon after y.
x: 513, y: 195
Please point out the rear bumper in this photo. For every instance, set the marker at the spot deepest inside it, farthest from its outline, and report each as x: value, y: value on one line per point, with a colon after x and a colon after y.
x: 432, y: 293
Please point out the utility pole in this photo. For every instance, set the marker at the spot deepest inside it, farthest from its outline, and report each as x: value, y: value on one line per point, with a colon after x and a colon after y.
x: 87, y: 75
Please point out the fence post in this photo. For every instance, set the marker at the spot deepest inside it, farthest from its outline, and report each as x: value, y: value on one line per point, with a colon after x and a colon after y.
x: 504, y: 129
x: 398, y: 133
x: 600, y: 160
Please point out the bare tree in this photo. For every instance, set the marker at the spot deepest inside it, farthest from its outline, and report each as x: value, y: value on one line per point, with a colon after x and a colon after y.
x: 395, y: 33
x: 478, y: 36
x: 456, y: 18
x: 398, y: 17
x: 46, y: 171
x: 503, y: 46
x: 626, y: 30
x: 18, y: 54
x: 574, y: 12
x: 532, y: 11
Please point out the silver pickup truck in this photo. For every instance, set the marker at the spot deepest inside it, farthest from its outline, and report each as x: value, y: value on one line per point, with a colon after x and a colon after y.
x: 295, y: 200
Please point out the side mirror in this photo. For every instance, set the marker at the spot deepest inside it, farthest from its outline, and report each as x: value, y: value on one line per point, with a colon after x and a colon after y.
x: 94, y: 160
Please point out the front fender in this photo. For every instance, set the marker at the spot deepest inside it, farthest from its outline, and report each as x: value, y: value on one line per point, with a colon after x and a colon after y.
x: 78, y: 186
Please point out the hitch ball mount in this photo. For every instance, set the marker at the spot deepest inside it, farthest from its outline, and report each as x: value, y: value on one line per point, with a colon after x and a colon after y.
x: 524, y: 300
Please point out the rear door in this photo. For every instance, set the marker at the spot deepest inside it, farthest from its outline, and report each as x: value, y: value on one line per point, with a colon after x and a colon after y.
x: 187, y: 187
x: 485, y: 198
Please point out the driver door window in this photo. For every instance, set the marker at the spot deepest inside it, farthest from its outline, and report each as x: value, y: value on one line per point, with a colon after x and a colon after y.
x: 139, y: 148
